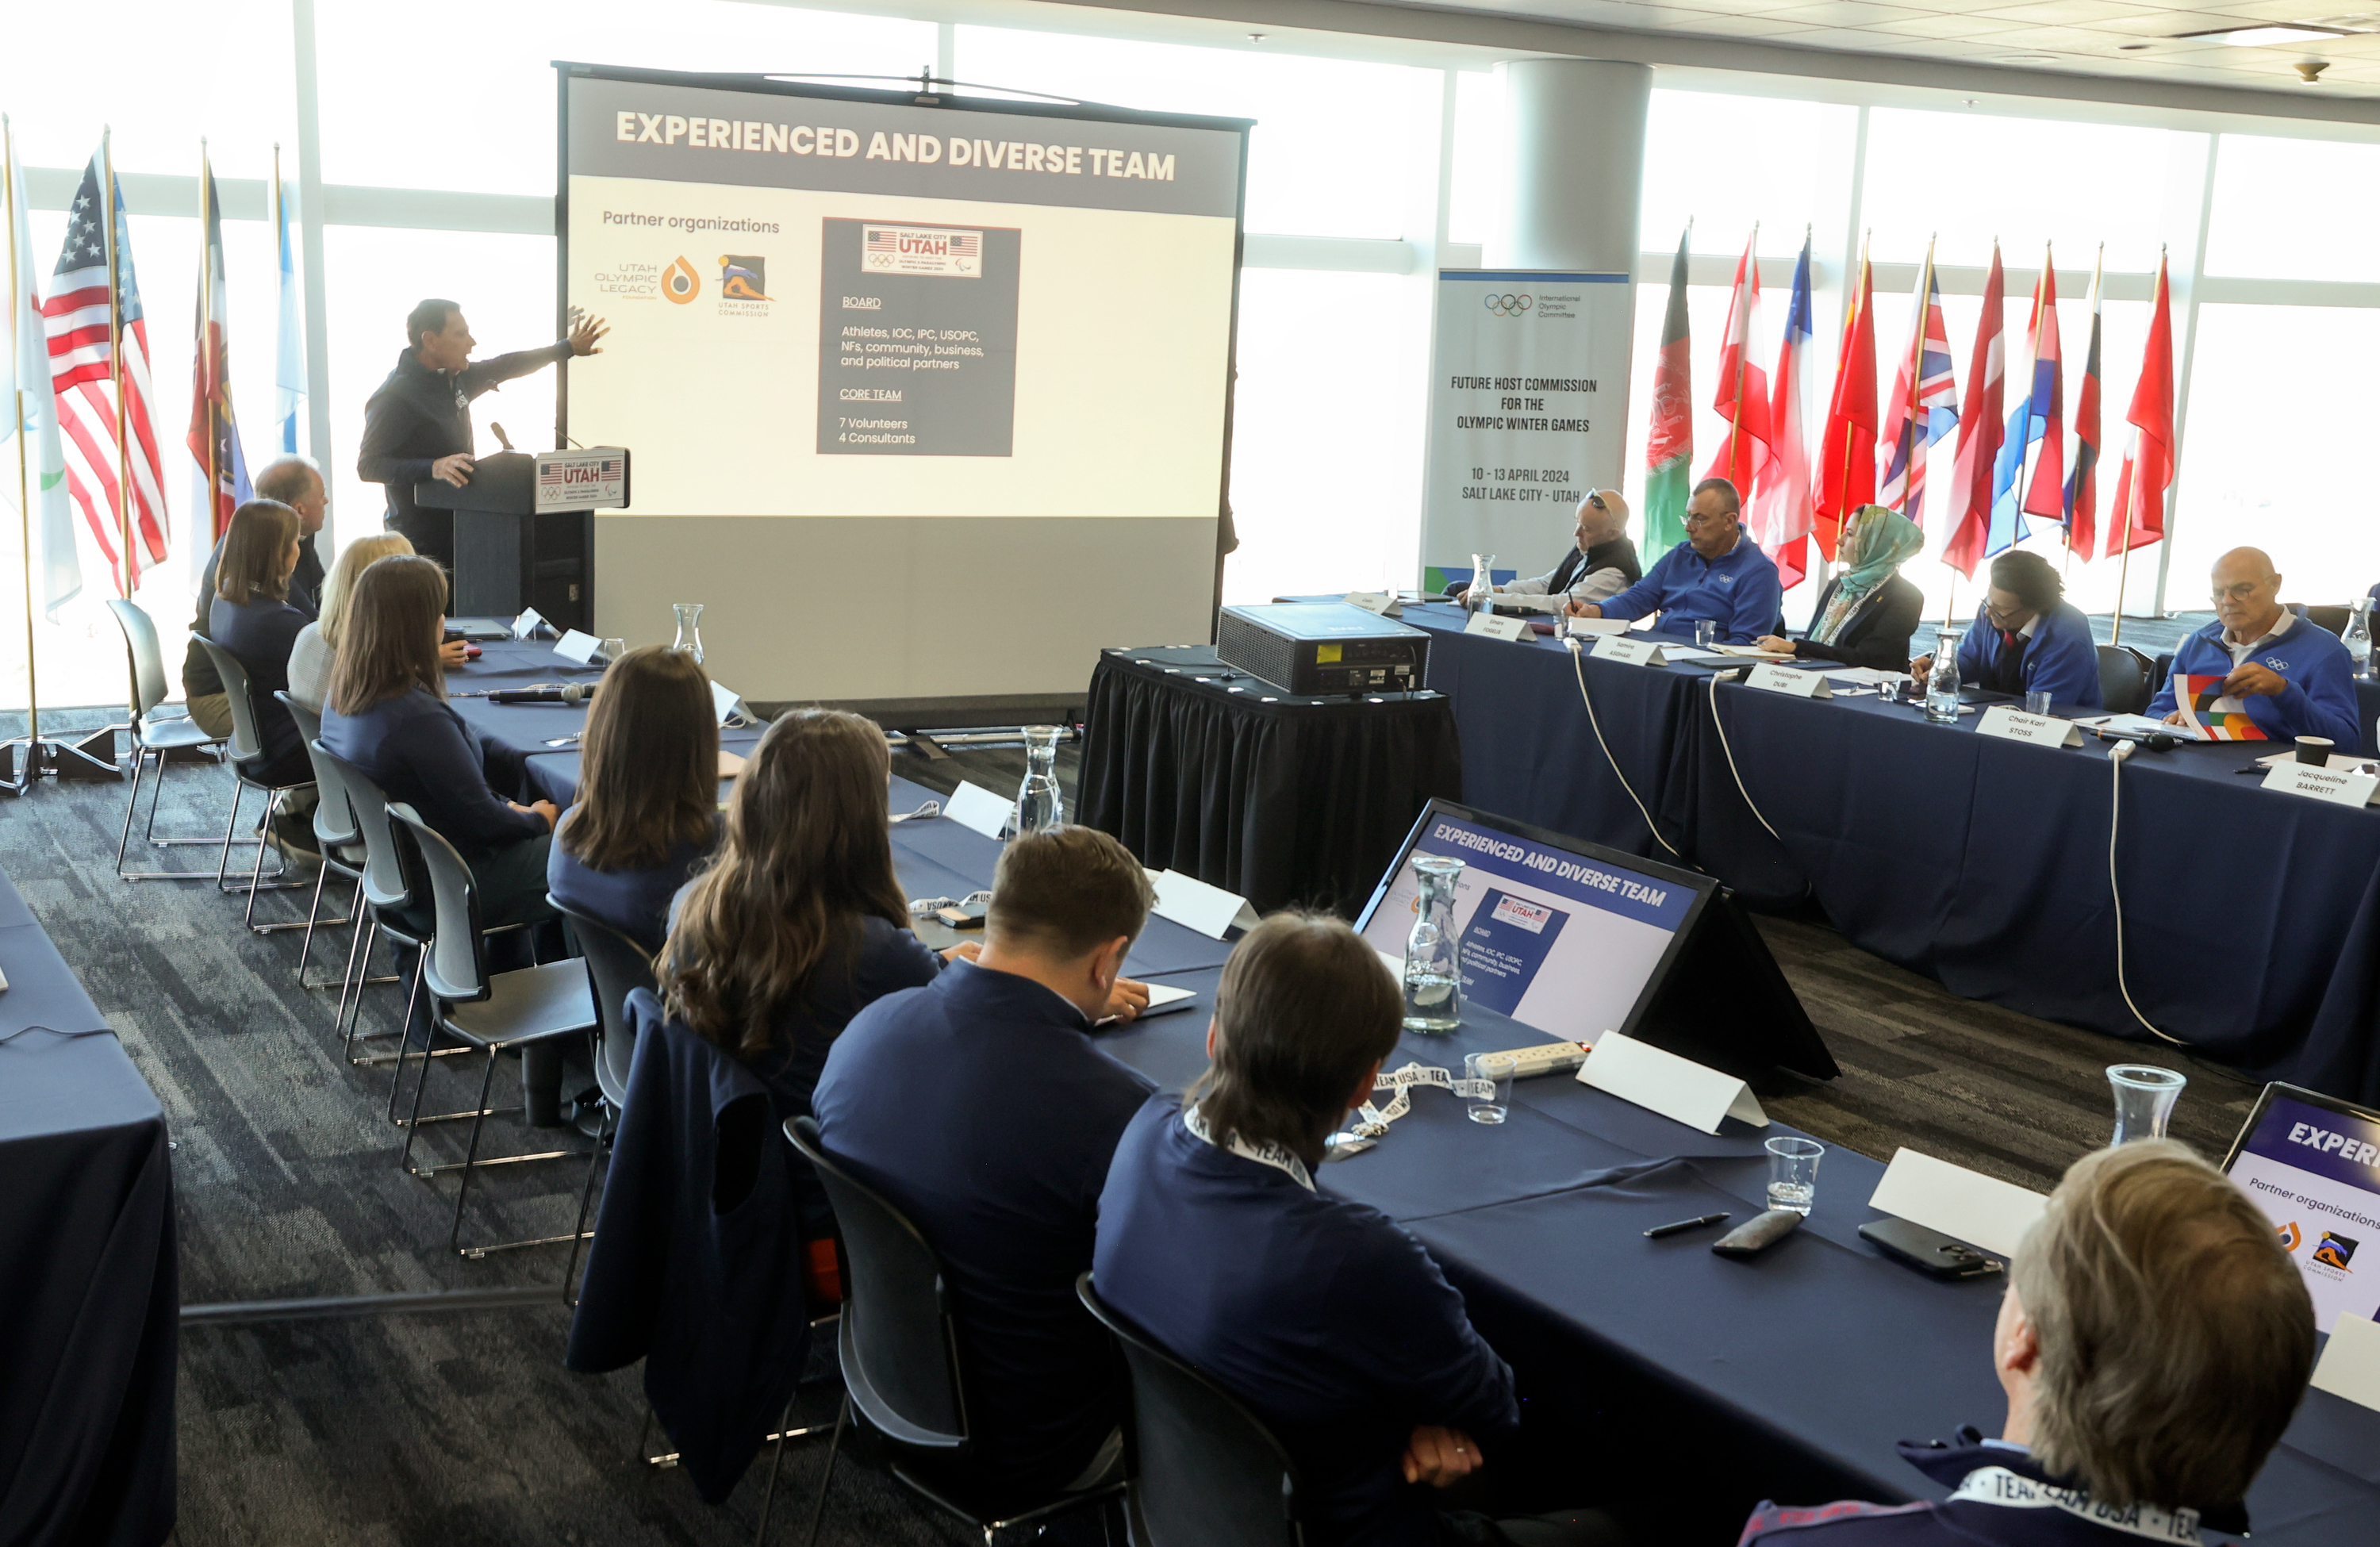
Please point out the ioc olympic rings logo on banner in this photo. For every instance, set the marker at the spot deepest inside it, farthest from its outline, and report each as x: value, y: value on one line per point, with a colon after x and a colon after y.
x: 1508, y: 305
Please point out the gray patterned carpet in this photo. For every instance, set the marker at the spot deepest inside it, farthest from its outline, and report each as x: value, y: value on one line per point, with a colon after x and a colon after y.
x: 451, y: 1430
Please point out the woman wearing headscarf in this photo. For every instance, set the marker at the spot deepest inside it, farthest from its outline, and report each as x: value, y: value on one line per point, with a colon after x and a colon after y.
x: 1865, y: 615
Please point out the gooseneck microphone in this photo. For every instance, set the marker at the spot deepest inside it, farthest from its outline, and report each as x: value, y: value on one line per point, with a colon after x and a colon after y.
x: 498, y: 431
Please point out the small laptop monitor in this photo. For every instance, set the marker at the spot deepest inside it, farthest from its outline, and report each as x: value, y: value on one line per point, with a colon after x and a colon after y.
x: 2313, y: 1164
x: 1560, y: 934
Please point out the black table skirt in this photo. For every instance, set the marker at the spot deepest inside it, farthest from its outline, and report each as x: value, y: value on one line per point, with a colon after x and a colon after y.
x: 1283, y: 800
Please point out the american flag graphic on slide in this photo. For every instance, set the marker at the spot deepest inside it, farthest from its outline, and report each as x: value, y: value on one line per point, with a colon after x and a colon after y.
x: 81, y: 372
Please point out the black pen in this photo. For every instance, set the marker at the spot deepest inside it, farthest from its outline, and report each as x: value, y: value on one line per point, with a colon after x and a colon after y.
x: 1683, y: 1225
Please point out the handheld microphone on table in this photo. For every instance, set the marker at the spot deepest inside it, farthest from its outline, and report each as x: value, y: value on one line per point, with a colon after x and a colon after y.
x: 562, y: 692
x: 498, y: 431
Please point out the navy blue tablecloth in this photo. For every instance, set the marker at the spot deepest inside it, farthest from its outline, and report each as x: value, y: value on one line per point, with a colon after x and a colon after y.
x: 2251, y: 919
x: 89, y: 1302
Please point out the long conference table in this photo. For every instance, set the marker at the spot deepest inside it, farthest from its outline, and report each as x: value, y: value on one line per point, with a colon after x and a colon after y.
x: 2252, y: 919
x: 90, y: 1297
x: 1649, y: 1368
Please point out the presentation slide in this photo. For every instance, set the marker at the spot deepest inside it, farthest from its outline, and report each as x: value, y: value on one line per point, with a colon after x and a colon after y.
x: 2316, y: 1175
x: 827, y: 311
x: 1552, y: 939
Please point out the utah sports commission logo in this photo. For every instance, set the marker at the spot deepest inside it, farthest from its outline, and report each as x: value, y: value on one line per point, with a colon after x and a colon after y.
x: 2335, y: 1251
x: 680, y: 283
x: 744, y: 278
x: 1508, y: 305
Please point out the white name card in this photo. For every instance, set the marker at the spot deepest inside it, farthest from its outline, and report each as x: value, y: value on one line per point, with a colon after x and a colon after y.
x: 1679, y: 1088
x: 2321, y: 783
x: 729, y: 706
x: 1512, y: 631
x: 1992, y: 1214
x: 1193, y: 904
x: 1591, y: 627
x: 1379, y: 601
x: 975, y: 807
x: 526, y: 626
x: 1770, y: 677
x: 1634, y: 652
x: 579, y: 647
x: 2350, y: 1366
x: 2011, y: 724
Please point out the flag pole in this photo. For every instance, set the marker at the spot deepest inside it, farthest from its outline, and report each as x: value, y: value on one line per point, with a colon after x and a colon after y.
x: 1851, y: 325
x: 2124, y: 560
x: 1735, y: 425
x: 32, y: 771
x: 1916, y: 366
x: 206, y: 534
x: 115, y: 362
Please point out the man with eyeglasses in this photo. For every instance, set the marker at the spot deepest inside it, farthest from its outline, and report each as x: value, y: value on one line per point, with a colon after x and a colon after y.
x: 1717, y: 574
x: 2290, y: 676
x: 2028, y: 638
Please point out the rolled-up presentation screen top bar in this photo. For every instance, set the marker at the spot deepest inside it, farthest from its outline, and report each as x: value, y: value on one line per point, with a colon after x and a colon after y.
x: 963, y: 348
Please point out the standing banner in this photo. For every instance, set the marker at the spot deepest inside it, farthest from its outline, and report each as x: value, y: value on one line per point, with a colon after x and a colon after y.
x: 1528, y: 407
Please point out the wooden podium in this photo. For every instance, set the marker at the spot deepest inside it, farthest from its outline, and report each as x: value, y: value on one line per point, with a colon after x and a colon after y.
x: 524, y: 532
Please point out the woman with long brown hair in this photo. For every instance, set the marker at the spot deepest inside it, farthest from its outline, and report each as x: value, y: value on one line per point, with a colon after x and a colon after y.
x: 252, y: 617
x: 647, y: 815
x: 800, y: 922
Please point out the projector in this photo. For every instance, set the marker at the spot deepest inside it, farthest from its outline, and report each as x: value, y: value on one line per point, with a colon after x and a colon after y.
x: 1313, y: 649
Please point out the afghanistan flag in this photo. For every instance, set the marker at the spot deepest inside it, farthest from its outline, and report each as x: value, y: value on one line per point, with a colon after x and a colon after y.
x: 1669, y: 448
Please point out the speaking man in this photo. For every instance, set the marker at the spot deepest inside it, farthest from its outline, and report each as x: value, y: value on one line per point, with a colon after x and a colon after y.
x: 2290, y: 676
x: 1601, y: 562
x: 1717, y: 574
x: 418, y: 425
x: 297, y: 483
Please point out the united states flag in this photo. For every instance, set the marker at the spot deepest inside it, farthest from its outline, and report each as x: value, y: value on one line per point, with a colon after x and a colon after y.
x: 82, y: 371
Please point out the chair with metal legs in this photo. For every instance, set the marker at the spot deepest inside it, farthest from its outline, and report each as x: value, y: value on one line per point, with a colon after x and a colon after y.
x: 494, y: 1012
x: 336, y: 834
x: 899, y: 1349
x: 153, y: 736
x: 247, y: 746
x: 615, y: 966
x: 389, y: 906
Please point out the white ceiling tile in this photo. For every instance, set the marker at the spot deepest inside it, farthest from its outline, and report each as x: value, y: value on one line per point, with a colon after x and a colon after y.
x: 1924, y: 26
x: 2062, y: 13
x: 2166, y: 23
x: 1745, y: 26
x: 1846, y: 13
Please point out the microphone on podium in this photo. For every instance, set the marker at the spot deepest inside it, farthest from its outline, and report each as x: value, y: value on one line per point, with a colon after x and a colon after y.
x: 498, y: 431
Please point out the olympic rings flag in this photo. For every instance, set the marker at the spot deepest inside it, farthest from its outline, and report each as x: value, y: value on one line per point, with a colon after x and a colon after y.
x: 1528, y: 403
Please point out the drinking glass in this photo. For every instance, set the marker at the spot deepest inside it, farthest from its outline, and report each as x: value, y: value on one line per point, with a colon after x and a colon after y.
x: 613, y: 650
x: 1705, y: 633
x: 689, y: 628
x: 1793, y: 1173
x: 1496, y: 1068
x: 2036, y: 700
x: 1433, y: 972
x: 1040, y: 802
x: 2144, y: 1098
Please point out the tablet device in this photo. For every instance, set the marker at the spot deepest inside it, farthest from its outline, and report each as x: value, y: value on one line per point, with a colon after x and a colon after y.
x: 2311, y: 1162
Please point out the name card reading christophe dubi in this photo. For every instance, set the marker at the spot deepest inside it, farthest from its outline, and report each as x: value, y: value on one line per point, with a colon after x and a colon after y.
x: 2321, y: 783
x: 1770, y: 677
x: 2010, y: 724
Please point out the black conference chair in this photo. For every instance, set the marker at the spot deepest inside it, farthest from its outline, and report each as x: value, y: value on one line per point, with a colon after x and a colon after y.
x: 616, y: 964
x: 2333, y: 618
x: 247, y: 746
x: 1201, y: 1467
x: 2123, y: 680
x: 153, y: 736
x: 494, y: 1012
x: 898, y: 1345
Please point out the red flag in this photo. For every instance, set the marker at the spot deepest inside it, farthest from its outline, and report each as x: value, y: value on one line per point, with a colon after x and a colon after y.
x: 2137, y: 518
x: 1743, y: 396
x: 1847, y: 460
x: 1980, y: 430
x: 2047, y: 494
x: 2082, y: 484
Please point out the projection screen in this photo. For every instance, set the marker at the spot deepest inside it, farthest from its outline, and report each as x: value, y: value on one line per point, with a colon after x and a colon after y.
x: 927, y: 396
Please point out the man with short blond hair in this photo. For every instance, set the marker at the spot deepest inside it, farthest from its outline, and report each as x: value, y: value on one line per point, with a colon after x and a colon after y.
x: 2154, y: 1342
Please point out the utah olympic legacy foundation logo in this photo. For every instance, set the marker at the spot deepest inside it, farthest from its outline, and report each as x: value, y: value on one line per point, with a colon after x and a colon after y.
x: 744, y: 278
x: 1508, y: 305
x: 680, y: 283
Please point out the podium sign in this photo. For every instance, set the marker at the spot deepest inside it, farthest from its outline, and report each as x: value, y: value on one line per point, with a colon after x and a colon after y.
x: 590, y: 479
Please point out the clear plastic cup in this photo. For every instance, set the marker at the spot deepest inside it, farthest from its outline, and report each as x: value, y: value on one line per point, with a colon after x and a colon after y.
x: 1793, y: 1173
x: 1496, y: 1068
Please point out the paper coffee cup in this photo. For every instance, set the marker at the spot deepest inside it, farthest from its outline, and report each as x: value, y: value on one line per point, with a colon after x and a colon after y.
x: 2315, y: 751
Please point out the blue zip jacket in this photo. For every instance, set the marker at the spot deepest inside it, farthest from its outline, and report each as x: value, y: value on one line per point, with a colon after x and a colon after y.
x: 2061, y: 657
x: 2321, y: 696
x: 1738, y: 591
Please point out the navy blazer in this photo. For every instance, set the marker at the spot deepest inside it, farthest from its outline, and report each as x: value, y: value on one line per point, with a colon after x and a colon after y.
x: 634, y: 902
x: 980, y: 1107
x: 696, y: 1263
x: 415, y: 746
x: 260, y: 634
x: 1324, y: 1316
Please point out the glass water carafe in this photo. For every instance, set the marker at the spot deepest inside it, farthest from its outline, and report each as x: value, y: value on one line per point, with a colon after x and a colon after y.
x: 1433, y: 973
x: 1942, y: 682
x: 1040, y: 802
x: 1481, y: 597
x: 2358, y: 637
x: 689, y: 628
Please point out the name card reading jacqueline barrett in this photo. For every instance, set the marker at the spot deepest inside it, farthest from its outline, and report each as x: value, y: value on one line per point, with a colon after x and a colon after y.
x: 2321, y: 783
x: 2010, y: 724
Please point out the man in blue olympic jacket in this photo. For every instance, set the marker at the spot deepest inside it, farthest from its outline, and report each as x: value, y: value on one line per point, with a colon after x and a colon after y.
x: 1718, y: 574
x: 2293, y: 677
x: 2027, y: 638
x: 2154, y: 1341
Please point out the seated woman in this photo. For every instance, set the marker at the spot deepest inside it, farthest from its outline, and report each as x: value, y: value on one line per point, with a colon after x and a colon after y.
x: 311, y: 657
x: 1865, y: 616
x: 646, y: 815
x: 388, y: 716
x: 801, y: 921
x: 252, y: 617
